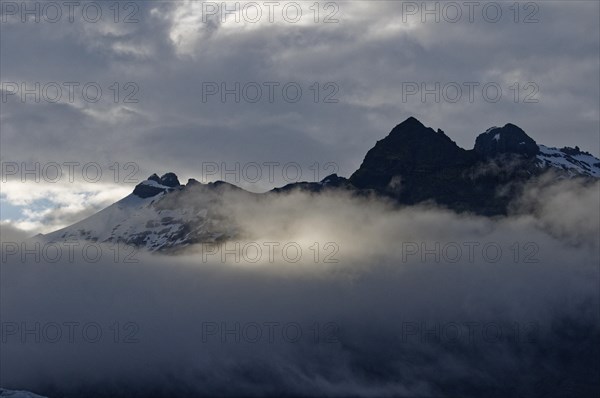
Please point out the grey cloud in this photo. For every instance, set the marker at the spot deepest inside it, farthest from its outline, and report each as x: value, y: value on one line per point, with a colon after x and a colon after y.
x: 384, y: 311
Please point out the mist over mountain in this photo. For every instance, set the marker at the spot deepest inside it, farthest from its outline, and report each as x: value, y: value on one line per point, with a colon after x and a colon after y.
x: 414, y: 164
x: 433, y: 271
x: 417, y: 301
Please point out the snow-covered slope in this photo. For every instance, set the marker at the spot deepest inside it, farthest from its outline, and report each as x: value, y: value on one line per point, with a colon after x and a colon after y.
x: 571, y: 160
x: 162, y: 214
x: 172, y: 217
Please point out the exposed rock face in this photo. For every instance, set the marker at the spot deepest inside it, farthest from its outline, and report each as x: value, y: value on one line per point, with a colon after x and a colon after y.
x: 169, y: 180
x: 146, y: 191
x: 154, y: 177
x: 507, y: 139
x: 155, y: 185
x: 415, y: 163
x: 410, y: 151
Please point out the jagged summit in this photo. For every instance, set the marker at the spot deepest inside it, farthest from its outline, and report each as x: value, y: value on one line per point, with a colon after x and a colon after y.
x: 414, y: 163
x: 154, y: 177
x: 413, y: 126
x: 410, y: 148
x: 411, y: 165
x: 168, y: 179
x: 155, y: 185
x: 507, y: 139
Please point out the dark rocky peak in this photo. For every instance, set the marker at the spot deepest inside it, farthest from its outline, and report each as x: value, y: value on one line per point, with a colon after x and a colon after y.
x: 155, y: 185
x: 412, y: 132
x: 145, y: 190
x: 407, y: 129
x: 409, y: 149
x: 169, y: 180
x: 154, y: 177
x: 410, y: 123
x: 505, y: 140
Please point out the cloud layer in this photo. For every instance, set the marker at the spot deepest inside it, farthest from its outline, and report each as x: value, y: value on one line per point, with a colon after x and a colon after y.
x: 398, y: 314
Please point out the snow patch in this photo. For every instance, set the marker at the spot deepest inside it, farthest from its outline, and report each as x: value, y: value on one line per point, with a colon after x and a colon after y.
x: 148, y: 223
x: 152, y: 183
x: 580, y: 164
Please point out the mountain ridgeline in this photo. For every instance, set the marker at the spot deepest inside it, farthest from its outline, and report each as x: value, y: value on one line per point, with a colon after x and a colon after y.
x: 412, y: 165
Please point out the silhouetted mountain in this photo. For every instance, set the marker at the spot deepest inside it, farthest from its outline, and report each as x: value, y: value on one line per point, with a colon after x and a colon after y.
x: 507, y: 139
x: 155, y: 185
x: 413, y: 164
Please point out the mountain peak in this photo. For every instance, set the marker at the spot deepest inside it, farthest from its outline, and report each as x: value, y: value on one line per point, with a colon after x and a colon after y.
x: 508, y: 139
x: 155, y: 185
x: 411, y: 120
x: 169, y: 180
x: 412, y: 164
x: 411, y: 149
x: 411, y: 123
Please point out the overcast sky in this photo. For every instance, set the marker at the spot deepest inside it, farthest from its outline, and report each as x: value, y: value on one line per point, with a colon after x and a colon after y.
x: 361, y: 65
